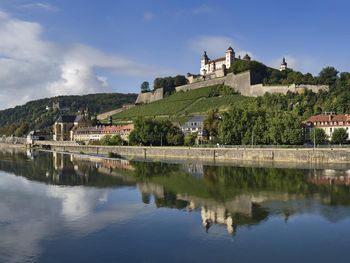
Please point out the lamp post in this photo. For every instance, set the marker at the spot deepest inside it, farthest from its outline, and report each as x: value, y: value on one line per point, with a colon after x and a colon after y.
x: 314, y: 138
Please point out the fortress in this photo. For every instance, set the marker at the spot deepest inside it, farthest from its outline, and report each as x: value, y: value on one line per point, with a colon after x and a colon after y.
x: 214, y: 72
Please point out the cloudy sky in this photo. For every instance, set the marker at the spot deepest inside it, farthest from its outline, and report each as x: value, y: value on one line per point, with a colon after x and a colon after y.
x: 53, y: 47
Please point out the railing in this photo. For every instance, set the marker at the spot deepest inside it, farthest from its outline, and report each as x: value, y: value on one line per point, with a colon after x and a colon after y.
x: 307, y: 146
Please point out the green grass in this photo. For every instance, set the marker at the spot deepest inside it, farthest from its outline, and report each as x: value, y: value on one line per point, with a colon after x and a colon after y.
x: 181, y: 105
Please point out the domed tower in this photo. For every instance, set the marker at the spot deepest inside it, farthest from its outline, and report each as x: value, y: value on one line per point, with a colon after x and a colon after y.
x: 230, y: 57
x: 204, y: 63
x: 283, y: 66
x: 247, y: 57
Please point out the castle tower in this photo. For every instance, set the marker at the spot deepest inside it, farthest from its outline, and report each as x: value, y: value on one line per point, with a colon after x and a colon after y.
x: 204, y: 63
x: 247, y: 57
x: 283, y: 65
x: 230, y: 57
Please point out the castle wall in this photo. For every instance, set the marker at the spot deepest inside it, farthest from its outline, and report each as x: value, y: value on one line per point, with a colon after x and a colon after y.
x: 260, y: 89
x: 240, y: 82
x: 148, y: 97
x: 202, y: 84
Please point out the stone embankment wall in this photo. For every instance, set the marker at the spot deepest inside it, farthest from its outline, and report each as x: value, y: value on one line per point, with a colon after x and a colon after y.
x: 318, y: 156
x: 148, y: 97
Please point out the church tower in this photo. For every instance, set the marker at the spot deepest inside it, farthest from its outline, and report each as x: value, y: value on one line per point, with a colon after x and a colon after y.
x: 283, y: 66
x: 230, y: 57
x: 204, y: 63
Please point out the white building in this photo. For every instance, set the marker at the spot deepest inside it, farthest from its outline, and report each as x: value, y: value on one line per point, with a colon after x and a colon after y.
x: 283, y: 65
x: 329, y: 123
x: 209, y: 66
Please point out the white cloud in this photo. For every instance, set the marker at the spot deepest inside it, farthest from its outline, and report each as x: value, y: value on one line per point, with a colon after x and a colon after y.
x: 31, y: 67
x: 41, y: 6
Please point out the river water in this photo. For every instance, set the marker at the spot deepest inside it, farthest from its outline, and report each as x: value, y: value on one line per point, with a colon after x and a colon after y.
x: 64, y: 208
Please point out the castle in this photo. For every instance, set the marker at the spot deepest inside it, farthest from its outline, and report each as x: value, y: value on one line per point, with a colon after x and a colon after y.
x: 214, y: 72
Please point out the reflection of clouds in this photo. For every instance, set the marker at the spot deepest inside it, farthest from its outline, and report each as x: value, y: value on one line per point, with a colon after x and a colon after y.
x: 31, y: 212
x: 77, y: 202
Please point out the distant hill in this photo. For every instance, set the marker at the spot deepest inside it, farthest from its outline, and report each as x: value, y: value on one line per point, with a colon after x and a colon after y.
x: 41, y: 114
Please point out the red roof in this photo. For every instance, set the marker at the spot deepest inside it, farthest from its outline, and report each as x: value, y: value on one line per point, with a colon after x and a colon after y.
x: 117, y: 128
x: 329, y: 120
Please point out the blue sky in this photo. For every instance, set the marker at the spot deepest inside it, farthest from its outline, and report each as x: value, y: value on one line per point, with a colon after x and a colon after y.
x: 77, y: 47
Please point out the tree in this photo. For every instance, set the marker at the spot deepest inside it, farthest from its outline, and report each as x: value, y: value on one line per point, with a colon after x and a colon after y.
x: 318, y: 136
x: 328, y: 76
x: 180, y: 80
x: 145, y: 87
x: 190, y: 139
x: 175, y: 136
x: 339, y: 136
x: 150, y: 131
x: 22, y: 130
x: 211, y: 123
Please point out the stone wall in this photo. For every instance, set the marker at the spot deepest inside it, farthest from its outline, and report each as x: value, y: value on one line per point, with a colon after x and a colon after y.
x: 260, y: 89
x: 202, y: 84
x: 240, y: 82
x: 148, y: 97
x: 306, y: 156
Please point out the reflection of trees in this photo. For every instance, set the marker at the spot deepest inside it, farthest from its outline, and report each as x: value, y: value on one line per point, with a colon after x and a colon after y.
x: 60, y: 170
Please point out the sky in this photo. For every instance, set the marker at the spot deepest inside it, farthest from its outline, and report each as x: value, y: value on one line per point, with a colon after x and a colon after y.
x: 64, y: 47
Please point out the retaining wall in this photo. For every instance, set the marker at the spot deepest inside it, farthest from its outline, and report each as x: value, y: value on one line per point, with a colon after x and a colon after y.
x: 148, y: 97
x: 318, y: 156
x: 202, y: 84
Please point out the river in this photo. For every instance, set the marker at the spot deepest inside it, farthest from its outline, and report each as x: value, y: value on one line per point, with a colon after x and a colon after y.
x: 58, y: 207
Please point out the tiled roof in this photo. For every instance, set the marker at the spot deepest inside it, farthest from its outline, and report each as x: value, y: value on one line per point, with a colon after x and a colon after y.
x: 117, y: 128
x: 66, y: 119
x: 197, y: 118
x: 218, y: 59
x: 329, y: 117
x: 329, y: 120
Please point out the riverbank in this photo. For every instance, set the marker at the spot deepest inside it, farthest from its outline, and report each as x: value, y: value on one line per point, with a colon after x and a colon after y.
x: 291, y: 155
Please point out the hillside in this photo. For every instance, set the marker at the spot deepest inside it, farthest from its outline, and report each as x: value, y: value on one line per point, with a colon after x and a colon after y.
x: 36, y: 115
x: 181, y: 105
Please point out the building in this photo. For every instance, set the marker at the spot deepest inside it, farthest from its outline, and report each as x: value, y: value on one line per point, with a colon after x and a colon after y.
x: 283, y: 65
x: 65, y: 126
x: 86, y: 134
x: 194, y: 125
x: 209, y: 66
x: 122, y: 130
x: 37, y: 136
x: 328, y: 122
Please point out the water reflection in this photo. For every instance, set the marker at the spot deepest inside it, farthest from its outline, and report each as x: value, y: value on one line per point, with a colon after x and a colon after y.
x: 54, y: 194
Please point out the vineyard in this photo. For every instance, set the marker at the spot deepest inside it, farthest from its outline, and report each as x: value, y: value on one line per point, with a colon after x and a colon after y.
x: 181, y: 105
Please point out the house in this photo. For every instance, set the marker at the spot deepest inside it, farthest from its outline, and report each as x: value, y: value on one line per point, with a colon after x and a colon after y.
x: 328, y: 122
x: 86, y: 134
x: 123, y: 130
x: 37, y: 136
x: 194, y: 125
x: 65, y: 126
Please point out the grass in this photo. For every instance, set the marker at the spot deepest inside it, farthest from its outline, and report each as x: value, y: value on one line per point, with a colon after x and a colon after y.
x: 181, y: 105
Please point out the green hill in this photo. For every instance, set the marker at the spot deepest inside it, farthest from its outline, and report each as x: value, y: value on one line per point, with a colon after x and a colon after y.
x: 181, y: 105
x: 36, y: 115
